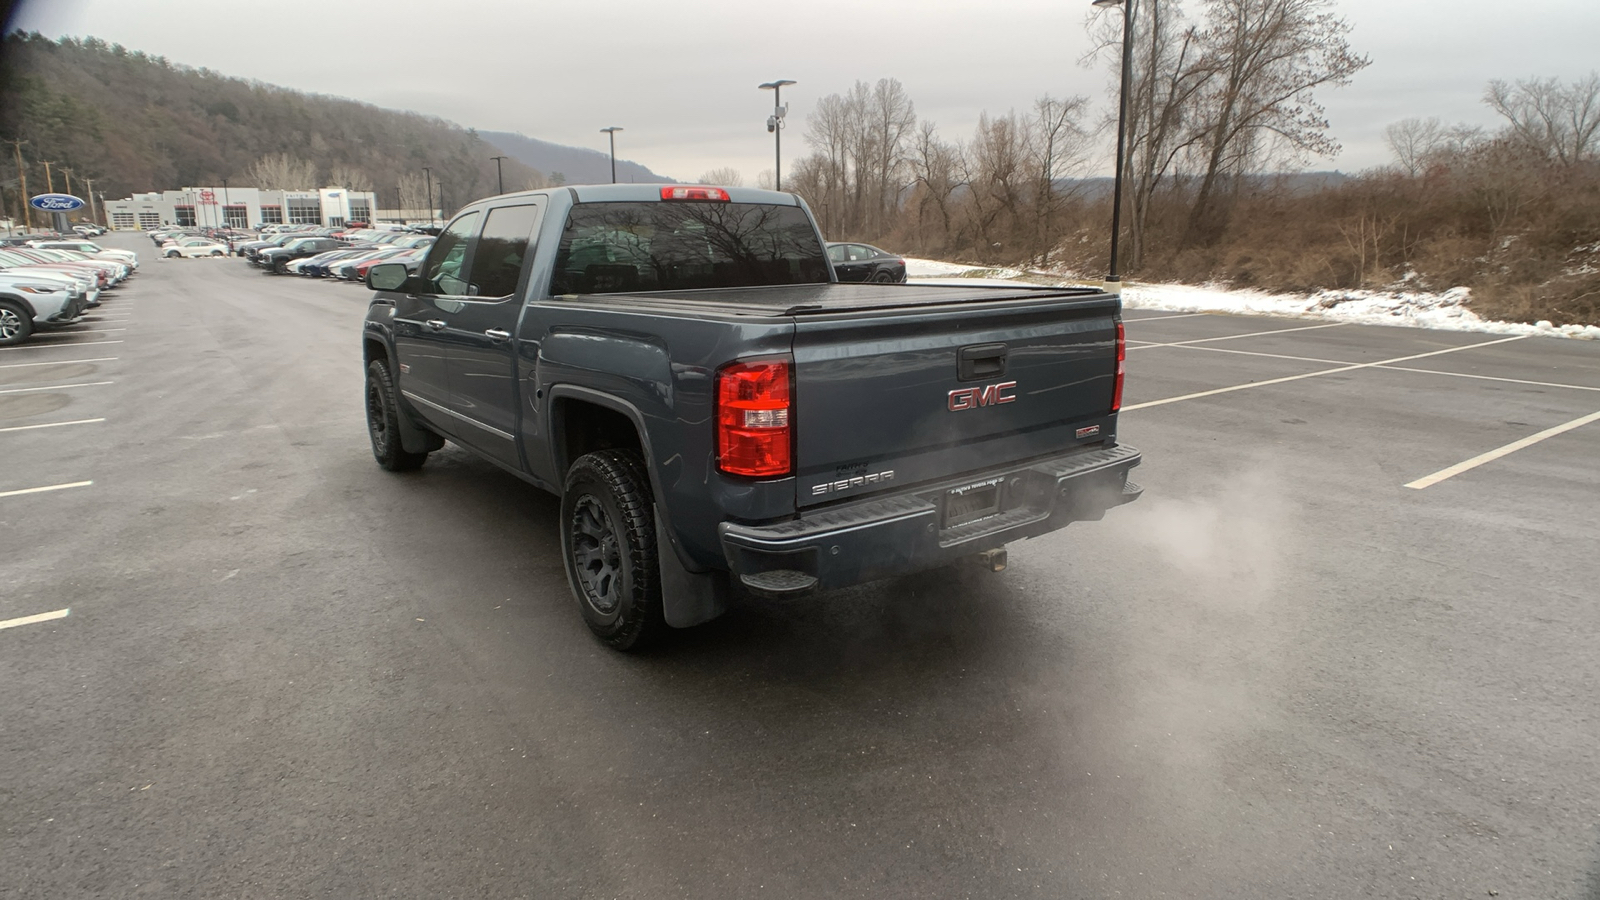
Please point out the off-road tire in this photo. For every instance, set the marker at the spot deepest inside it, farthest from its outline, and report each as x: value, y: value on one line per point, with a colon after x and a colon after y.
x: 281, y: 267
x: 383, y: 421
x: 16, y: 325
x: 608, y: 541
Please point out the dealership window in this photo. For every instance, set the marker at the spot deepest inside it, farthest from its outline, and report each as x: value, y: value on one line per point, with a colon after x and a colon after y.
x: 236, y: 216
x: 306, y: 211
x: 149, y: 220
x: 272, y: 215
x: 123, y: 221
x: 185, y: 216
x: 360, y: 211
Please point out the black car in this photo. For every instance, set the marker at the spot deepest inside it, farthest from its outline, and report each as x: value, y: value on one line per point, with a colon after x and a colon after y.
x: 861, y: 262
x: 276, y: 259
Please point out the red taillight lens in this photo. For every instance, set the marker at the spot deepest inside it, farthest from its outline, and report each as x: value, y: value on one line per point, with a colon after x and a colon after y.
x: 1122, y: 364
x: 753, y: 425
x: 694, y: 193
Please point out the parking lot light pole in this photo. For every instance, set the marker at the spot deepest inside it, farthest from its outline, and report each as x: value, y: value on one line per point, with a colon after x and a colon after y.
x: 1114, y: 278
x: 499, y: 177
x: 611, y: 132
x: 775, y: 125
x: 428, y: 172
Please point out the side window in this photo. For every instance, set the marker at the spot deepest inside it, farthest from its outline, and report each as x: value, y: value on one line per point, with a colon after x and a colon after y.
x: 836, y: 253
x: 497, y: 263
x: 859, y: 253
x: 443, y: 268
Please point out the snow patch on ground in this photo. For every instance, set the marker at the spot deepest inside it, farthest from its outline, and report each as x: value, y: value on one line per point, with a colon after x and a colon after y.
x: 1445, y: 311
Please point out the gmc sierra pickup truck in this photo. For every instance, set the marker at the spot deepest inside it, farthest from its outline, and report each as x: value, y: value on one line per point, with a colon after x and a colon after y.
x: 719, y: 415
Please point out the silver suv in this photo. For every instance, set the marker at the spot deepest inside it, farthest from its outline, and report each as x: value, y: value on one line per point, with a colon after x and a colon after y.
x: 29, y: 302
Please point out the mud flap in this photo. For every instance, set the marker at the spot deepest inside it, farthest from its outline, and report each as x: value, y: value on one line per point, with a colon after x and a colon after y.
x: 413, y: 437
x: 687, y: 598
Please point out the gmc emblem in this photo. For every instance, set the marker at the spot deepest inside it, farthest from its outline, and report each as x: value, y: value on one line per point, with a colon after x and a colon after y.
x: 988, y: 395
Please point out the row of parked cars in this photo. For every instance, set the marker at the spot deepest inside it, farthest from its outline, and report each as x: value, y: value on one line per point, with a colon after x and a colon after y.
x: 50, y: 282
x: 347, y: 254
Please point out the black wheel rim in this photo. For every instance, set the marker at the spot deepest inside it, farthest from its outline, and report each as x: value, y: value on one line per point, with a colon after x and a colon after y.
x: 377, y: 420
x: 596, y: 555
x: 10, y: 324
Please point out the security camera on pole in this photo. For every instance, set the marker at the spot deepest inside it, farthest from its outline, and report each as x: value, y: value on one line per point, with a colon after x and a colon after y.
x: 775, y: 124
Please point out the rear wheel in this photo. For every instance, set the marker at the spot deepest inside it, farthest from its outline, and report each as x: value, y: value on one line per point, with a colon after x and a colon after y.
x: 16, y: 325
x: 608, y: 540
x: 383, y: 421
x: 884, y: 277
x: 172, y: 254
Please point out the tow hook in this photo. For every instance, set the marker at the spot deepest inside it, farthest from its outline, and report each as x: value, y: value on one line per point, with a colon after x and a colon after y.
x: 993, y: 560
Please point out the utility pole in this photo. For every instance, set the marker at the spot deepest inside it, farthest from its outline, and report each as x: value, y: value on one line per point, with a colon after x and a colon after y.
x: 612, y: 133
x: 94, y: 217
x: 22, y: 185
x: 428, y: 172
x: 499, y: 178
x: 49, y: 180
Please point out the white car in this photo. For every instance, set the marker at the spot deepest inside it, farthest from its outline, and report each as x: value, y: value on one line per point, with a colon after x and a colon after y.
x: 30, y: 301
x: 194, y: 247
x: 126, y: 257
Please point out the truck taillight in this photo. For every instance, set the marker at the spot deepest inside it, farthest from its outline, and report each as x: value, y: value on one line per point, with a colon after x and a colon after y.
x: 754, y: 436
x: 1122, y: 364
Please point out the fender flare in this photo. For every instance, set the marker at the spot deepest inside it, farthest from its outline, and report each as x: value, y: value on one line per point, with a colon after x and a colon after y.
x: 689, y: 596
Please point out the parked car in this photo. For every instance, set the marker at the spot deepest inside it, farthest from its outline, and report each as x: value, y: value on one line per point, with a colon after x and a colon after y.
x: 277, y: 259
x: 89, y: 229
x: 126, y: 257
x: 30, y: 301
x: 863, y: 262
x: 87, y: 281
x: 191, y: 248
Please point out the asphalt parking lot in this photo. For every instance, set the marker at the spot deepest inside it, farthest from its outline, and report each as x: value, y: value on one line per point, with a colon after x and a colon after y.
x: 1345, y: 645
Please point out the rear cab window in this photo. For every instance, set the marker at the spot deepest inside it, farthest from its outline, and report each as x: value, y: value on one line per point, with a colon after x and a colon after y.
x: 669, y: 246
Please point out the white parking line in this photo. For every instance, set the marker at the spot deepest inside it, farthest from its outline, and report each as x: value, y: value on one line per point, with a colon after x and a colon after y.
x: 1162, y: 318
x: 1230, y: 337
x: 1495, y: 454
x: 32, y: 620
x: 51, y: 425
x: 1335, y: 371
x: 58, y: 362
x: 54, y: 346
x: 55, y: 387
x: 1341, y: 362
x: 45, y: 489
x: 65, y: 333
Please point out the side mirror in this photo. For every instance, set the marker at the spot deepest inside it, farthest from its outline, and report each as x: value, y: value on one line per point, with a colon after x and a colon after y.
x: 387, y: 276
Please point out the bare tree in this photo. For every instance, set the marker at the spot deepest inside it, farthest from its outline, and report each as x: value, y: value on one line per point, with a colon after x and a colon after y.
x: 347, y: 176
x: 935, y: 171
x: 1559, y: 122
x: 1268, y: 57
x: 726, y: 176
x: 1059, y: 142
x: 283, y: 172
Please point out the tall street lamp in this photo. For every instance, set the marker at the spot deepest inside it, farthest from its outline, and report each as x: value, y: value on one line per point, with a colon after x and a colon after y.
x: 1114, y: 279
x: 499, y: 177
x: 775, y: 125
x: 611, y: 132
x: 428, y: 172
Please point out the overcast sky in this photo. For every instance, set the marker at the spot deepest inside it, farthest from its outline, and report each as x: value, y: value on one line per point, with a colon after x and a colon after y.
x: 680, y: 75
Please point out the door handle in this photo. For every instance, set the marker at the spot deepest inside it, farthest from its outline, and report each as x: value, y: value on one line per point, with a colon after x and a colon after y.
x: 498, y: 335
x: 434, y: 324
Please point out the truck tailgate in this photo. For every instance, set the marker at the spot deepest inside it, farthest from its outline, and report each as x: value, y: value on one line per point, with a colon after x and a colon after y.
x: 890, y: 397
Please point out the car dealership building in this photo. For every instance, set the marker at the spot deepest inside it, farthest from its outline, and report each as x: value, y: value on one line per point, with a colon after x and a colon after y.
x: 239, y: 207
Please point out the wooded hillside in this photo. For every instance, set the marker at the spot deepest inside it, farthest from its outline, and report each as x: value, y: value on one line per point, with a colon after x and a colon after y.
x: 135, y: 122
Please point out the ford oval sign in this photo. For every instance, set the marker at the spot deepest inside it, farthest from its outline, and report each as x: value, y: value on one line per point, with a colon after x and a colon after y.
x: 56, y: 202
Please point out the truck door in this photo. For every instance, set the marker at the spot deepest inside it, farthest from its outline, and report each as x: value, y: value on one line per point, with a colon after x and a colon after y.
x: 421, y: 322
x: 483, y: 386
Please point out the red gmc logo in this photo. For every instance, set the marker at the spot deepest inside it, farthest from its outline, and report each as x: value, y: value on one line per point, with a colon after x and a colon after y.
x: 988, y: 395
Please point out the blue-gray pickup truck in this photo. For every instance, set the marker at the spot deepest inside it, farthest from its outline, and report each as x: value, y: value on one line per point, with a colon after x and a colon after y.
x: 720, y: 416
